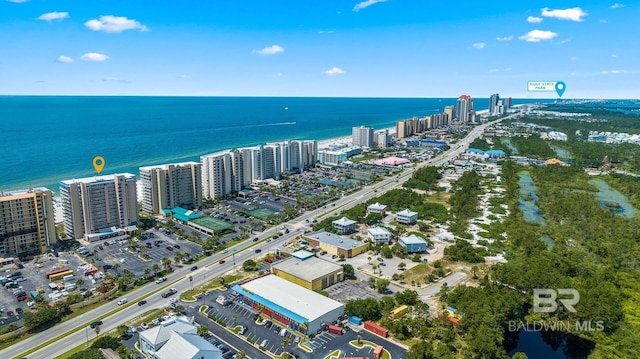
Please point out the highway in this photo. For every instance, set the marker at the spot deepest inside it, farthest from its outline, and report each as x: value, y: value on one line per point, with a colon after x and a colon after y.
x: 112, y: 315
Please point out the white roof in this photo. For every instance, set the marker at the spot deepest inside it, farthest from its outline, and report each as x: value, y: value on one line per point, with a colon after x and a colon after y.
x: 297, y: 299
x: 188, y: 346
x: 165, y: 166
x: 378, y: 230
x: 377, y: 206
x: 307, y: 269
x: 105, y: 178
x: 407, y: 212
x: 344, y: 221
x: 413, y: 239
x: 162, y: 332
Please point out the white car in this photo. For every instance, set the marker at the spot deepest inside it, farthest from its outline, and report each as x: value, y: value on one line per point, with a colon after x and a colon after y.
x: 144, y: 325
x: 173, y: 300
x: 122, y: 301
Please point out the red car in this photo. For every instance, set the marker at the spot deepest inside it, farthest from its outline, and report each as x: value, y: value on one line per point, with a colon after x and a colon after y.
x: 169, y: 248
x: 221, y: 261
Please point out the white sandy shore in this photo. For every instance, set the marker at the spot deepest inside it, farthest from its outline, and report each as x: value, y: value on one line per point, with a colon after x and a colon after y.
x: 347, y: 139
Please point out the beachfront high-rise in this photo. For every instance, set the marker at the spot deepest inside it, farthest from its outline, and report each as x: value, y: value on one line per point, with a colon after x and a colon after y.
x: 464, y: 109
x: 229, y: 171
x: 171, y: 185
x: 99, y: 207
x: 26, y: 222
x: 493, y: 104
x: 362, y: 136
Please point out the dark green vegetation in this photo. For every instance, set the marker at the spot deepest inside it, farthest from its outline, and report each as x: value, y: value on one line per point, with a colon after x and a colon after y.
x: 591, y: 154
x: 425, y: 179
x: 104, y: 342
x: 533, y: 147
x: 480, y: 144
x: 596, y: 253
x: 464, y: 202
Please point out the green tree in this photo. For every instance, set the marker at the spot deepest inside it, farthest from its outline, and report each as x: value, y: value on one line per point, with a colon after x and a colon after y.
x: 366, y: 309
x: 44, y: 316
x: 348, y: 271
x: 402, y: 265
x: 97, y: 330
x: 420, y: 350
x: 249, y: 265
x: 202, y: 330
x: 382, y: 285
x: 106, y: 341
x: 407, y: 296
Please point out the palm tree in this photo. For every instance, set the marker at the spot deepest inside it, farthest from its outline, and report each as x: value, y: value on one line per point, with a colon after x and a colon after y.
x: 178, y: 257
x: 166, y: 262
x: 97, y: 329
x: 234, y: 317
x: 202, y: 330
x: 147, y: 273
x: 285, y: 341
x: 241, y: 355
x: 359, y: 337
x: 116, y: 267
x: 369, y: 259
x: 155, y: 268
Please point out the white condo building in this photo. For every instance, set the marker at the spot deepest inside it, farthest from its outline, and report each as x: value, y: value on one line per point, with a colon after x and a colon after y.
x: 229, y: 171
x: 171, y: 185
x: 26, y: 222
x: 362, y: 136
x: 98, y: 206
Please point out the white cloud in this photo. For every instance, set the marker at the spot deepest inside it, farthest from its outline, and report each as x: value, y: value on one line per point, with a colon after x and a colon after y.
x: 18, y: 1
x: 110, y: 23
x: 614, y: 55
x: 323, y: 32
x: 269, y: 50
x: 603, y: 21
x: 538, y: 35
x: 479, y: 45
x: 505, y: 38
x: 364, y: 4
x: 65, y: 59
x: 94, y: 56
x: 115, y: 79
x: 334, y: 71
x: 617, y: 6
x: 573, y: 14
x: 613, y: 72
x: 54, y: 16
x: 534, y: 20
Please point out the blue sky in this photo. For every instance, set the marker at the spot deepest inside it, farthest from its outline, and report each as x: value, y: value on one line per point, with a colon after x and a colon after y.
x: 373, y: 48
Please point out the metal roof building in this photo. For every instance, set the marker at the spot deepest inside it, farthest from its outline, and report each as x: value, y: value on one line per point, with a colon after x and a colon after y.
x: 335, y: 244
x: 312, y: 273
x: 293, y: 306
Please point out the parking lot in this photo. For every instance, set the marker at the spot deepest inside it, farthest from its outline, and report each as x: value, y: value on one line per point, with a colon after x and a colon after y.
x: 256, y: 331
x: 117, y: 251
x: 346, y: 291
x: 35, y: 280
x: 322, y: 344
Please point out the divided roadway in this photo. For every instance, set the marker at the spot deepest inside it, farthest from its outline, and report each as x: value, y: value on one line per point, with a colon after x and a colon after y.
x: 75, y: 332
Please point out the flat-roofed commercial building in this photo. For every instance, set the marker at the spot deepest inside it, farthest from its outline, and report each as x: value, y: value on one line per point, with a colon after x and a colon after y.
x: 171, y: 185
x: 312, y: 273
x: 26, y: 222
x: 344, y: 225
x: 406, y: 217
x: 96, y: 207
x: 335, y: 244
x: 293, y: 306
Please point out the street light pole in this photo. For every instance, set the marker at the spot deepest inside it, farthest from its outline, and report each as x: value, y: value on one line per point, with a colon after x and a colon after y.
x: 234, y: 261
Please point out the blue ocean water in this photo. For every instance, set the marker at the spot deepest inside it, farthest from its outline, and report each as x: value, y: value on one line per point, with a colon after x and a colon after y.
x: 47, y: 139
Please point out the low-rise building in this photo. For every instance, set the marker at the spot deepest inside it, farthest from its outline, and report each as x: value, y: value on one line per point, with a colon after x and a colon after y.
x: 377, y: 208
x: 291, y: 305
x: 187, y: 346
x: 413, y: 244
x: 407, y: 217
x: 335, y: 244
x: 308, y: 271
x: 379, y: 235
x: 344, y: 225
x: 152, y: 339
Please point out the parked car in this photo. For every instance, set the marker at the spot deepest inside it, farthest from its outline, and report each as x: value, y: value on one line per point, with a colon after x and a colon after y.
x: 243, y: 330
x: 144, y: 325
x: 176, y: 246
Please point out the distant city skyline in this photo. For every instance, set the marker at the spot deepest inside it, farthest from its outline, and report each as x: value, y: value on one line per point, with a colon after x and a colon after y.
x: 371, y: 48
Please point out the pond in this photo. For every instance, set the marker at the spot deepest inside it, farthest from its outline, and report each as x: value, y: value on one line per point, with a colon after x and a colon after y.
x: 550, y: 345
x: 561, y: 152
x: 527, y: 203
x: 613, y: 200
x: 512, y: 148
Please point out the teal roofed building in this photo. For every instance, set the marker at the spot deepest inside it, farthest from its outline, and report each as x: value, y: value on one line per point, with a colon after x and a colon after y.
x: 181, y: 214
x: 495, y: 153
x: 476, y: 151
